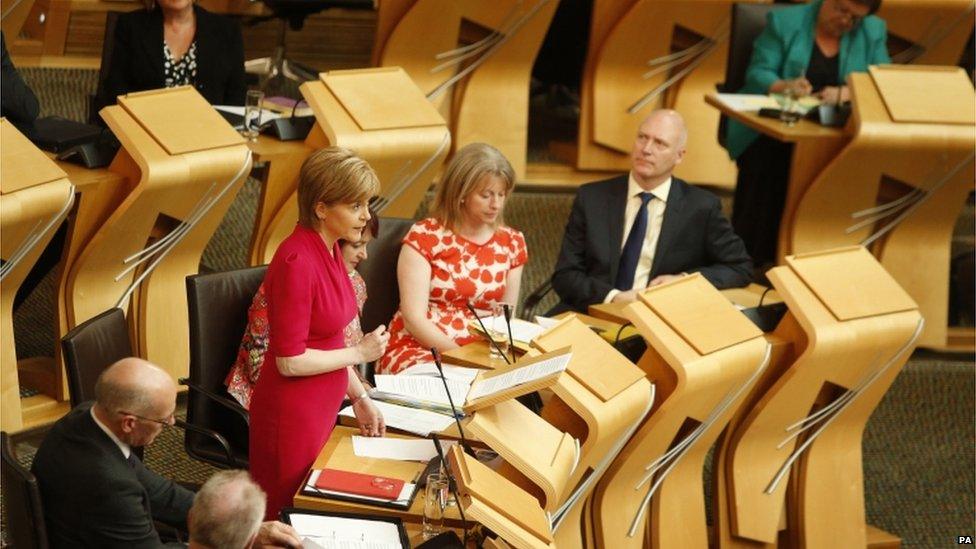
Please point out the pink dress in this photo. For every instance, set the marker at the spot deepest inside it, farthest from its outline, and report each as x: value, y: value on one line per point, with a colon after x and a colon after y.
x: 461, y: 272
x: 310, y: 302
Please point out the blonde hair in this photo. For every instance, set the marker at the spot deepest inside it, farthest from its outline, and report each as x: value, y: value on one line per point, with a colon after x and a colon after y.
x: 464, y: 176
x: 333, y: 175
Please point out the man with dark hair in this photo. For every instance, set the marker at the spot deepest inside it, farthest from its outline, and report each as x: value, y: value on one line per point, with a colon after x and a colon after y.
x: 96, y: 491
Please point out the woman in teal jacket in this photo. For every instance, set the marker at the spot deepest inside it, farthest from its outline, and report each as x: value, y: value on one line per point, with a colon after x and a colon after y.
x: 810, y: 49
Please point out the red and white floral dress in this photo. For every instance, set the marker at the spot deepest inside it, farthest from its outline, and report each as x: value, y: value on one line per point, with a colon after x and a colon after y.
x: 461, y: 272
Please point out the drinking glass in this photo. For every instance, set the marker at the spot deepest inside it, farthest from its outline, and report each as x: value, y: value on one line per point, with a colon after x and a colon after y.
x: 787, y: 102
x: 435, y: 499
x: 252, y: 114
x: 499, y: 329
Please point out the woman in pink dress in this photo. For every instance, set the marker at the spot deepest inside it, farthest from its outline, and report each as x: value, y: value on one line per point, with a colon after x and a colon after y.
x: 310, y: 303
x: 462, y: 254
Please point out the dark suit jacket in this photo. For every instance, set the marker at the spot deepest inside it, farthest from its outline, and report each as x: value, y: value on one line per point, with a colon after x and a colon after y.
x: 17, y: 101
x: 92, y: 497
x: 137, y: 57
x: 695, y: 237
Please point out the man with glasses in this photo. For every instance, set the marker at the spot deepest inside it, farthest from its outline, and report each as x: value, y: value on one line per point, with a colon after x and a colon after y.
x: 95, y: 491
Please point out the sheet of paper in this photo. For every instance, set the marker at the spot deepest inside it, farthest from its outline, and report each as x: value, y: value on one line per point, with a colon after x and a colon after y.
x: 745, y: 102
x: 523, y: 331
x: 421, y: 422
x: 429, y: 369
x: 396, y: 448
x: 423, y: 388
x: 519, y: 376
x: 546, y: 322
x: 336, y: 532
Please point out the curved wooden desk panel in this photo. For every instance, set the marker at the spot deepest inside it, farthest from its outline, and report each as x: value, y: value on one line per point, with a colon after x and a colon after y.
x: 834, y: 358
x: 29, y: 218
x: 406, y: 158
x: 489, y: 102
x: 601, y: 425
x: 622, y: 79
x: 696, y: 395
x: 892, y: 164
x: 936, y: 29
x: 171, y: 190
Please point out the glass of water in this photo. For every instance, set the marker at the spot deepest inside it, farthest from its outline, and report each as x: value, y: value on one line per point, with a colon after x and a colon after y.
x: 435, y: 499
x: 252, y: 114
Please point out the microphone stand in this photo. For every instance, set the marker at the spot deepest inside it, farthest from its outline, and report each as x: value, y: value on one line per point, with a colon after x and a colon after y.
x: 491, y: 340
x: 451, y: 485
x: 450, y: 399
x: 508, y: 324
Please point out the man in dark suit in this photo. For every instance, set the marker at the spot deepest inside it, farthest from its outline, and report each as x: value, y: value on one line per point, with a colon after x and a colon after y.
x: 95, y: 491
x: 645, y: 228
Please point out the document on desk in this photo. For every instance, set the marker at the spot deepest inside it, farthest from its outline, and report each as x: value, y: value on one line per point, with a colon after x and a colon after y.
x: 412, y: 420
x: 523, y: 331
x: 746, y: 102
x: 518, y: 376
x: 400, y: 449
x: 429, y: 369
x: 345, y: 533
x: 423, y: 388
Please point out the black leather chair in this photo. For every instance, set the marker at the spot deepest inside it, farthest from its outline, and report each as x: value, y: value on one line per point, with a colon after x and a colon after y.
x: 91, y: 347
x: 95, y: 345
x: 380, y: 274
x: 748, y: 22
x: 292, y: 14
x: 22, y: 501
x: 218, y: 304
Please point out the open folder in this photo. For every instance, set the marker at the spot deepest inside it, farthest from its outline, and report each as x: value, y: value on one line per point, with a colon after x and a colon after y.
x: 346, y: 530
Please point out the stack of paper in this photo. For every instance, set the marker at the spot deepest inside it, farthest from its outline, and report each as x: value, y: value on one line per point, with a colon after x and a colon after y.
x: 491, y: 385
x: 523, y: 331
x: 429, y: 369
x: 421, y: 422
x: 350, y: 533
x: 423, y: 392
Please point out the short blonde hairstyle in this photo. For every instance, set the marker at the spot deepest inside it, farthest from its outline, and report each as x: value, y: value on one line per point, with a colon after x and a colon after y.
x: 464, y: 176
x: 333, y: 175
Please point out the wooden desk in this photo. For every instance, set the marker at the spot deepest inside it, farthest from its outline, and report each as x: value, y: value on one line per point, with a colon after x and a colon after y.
x: 813, y: 148
x: 283, y: 160
x: 742, y: 297
x: 338, y: 454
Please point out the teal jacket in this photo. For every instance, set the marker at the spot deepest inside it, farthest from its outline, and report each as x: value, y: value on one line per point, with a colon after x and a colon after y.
x: 783, y: 51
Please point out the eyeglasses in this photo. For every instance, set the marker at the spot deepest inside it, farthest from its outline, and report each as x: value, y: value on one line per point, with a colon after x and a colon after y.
x: 843, y: 9
x: 167, y: 422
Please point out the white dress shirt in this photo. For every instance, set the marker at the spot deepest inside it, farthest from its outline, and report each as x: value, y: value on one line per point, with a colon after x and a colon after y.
x: 123, y: 447
x: 655, y: 216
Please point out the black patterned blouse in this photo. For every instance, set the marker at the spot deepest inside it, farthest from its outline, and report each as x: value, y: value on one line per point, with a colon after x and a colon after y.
x: 182, y: 72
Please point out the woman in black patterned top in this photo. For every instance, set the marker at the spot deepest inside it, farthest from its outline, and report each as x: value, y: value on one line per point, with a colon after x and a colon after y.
x: 176, y: 43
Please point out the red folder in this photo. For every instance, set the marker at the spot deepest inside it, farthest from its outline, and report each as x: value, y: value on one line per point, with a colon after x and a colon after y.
x: 359, y: 484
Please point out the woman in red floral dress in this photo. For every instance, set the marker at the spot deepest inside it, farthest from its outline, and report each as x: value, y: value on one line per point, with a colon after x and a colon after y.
x: 462, y: 254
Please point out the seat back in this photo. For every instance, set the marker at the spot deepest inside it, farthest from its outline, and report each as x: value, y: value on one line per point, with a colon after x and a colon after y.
x: 22, y: 501
x: 218, y: 304
x: 380, y: 273
x: 295, y: 11
x: 748, y: 22
x: 91, y: 347
x: 100, y: 99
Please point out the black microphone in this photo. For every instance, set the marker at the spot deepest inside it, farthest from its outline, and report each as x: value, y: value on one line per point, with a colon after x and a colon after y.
x: 491, y: 340
x: 450, y: 399
x: 508, y: 324
x: 451, y: 483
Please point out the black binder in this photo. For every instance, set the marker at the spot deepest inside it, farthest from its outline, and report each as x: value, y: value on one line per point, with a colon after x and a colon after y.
x: 288, y: 512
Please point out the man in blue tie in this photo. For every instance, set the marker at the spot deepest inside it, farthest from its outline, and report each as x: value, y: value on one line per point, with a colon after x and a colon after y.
x: 645, y: 228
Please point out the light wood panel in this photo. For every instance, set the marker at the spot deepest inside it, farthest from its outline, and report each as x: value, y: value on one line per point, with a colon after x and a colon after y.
x: 36, y: 197
x: 173, y: 193
x: 938, y: 29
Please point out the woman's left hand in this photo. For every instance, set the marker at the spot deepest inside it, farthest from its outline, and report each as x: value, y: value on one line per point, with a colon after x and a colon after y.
x: 370, y: 418
x: 834, y: 95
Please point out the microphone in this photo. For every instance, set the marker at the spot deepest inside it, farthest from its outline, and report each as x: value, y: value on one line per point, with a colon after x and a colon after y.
x: 451, y: 483
x: 491, y: 340
x: 508, y: 324
x: 450, y: 399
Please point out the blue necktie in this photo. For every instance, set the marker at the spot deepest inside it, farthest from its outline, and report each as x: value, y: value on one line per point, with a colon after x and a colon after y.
x: 632, y: 248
